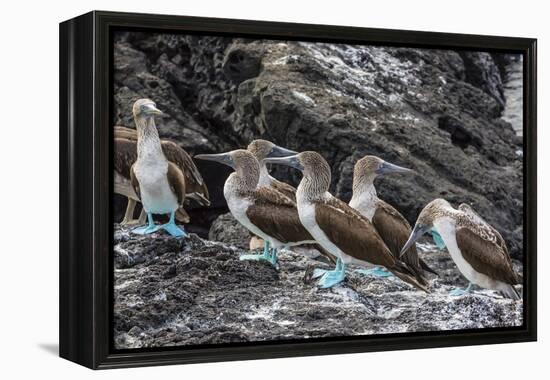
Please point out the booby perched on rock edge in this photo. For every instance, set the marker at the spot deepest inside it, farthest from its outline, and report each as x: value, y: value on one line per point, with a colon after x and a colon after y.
x: 262, y: 149
x: 125, y: 154
x: 336, y: 226
x: 392, y: 227
x: 477, y: 249
x: 159, y: 183
x: 263, y: 210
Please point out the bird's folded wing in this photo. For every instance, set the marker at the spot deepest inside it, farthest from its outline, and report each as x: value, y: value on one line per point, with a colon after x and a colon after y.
x: 285, y: 189
x: 134, y: 181
x: 125, y: 132
x: 394, y: 229
x: 485, y: 256
x: 489, y: 232
x: 277, y: 216
x: 174, y: 153
x: 125, y: 154
x: 352, y: 233
x: 176, y: 181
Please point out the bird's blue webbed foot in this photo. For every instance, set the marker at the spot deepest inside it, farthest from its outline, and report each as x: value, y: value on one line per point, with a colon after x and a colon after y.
x: 460, y: 292
x: 269, y: 254
x: 318, y: 272
x: 273, y: 257
x: 172, y: 228
x: 330, y: 278
x: 378, y: 272
x: 149, y: 228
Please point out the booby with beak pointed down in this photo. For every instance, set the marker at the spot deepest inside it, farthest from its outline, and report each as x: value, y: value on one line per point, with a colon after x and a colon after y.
x: 477, y: 249
x: 159, y: 183
x: 392, y: 227
x: 336, y: 226
x: 262, y: 210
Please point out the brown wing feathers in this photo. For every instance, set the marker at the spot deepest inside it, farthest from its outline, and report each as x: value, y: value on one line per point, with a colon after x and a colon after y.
x: 277, y: 216
x: 395, y: 230
x: 285, y: 189
x: 125, y: 154
x: 357, y: 237
x: 195, y: 184
x: 485, y: 257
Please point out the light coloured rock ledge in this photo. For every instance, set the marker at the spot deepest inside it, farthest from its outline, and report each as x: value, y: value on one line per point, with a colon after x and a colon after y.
x: 186, y: 292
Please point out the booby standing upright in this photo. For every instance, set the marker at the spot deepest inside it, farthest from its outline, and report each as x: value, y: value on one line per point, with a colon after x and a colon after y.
x: 160, y: 184
x: 262, y: 210
x: 125, y: 155
x: 336, y: 226
x: 392, y: 227
x: 262, y: 149
x: 477, y: 249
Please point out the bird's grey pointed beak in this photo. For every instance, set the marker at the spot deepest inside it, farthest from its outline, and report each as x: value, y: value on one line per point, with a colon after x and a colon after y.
x: 279, y: 151
x: 291, y: 161
x: 222, y: 158
x: 417, y: 233
x: 153, y: 110
x: 387, y: 168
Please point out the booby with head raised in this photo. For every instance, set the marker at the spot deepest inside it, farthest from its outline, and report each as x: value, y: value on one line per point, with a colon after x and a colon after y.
x: 125, y: 155
x: 263, y: 210
x: 477, y: 248
x: 262, y: 149
x: 392, y: 227
x: 336, y: 226
x: 159, y: 183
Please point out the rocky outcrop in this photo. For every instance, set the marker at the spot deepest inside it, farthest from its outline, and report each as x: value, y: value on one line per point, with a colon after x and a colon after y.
x: 192, y: 291
x: 226, y: 229
x: 436, y: 111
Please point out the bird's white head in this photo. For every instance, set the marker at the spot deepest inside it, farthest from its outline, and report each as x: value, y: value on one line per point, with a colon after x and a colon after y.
x: 262, y: 149
x: 369, y: 167
x: 145, y: 108
x: 315, y: 169
x: 434, y: 210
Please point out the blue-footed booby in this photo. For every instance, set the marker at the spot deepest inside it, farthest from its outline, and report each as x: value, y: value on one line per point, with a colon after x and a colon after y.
x: 392, y: 227
x: 263, y: 210
x: 262, y: 149
x: 125, y: 155
x: 159, y: 183
x: 336, y: 226
x: 477, y: 249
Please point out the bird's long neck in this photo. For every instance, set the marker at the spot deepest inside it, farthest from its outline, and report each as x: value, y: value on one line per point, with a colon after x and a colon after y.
x: 148, y: 145
x: 313, y: 186
x: 364, y: 192
x: 265, y: 178
x: 245, y: 179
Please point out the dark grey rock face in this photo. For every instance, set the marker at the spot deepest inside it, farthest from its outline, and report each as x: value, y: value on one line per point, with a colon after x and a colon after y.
x: 186, y: 292
x: 436, y: 111
x: 226, y: 229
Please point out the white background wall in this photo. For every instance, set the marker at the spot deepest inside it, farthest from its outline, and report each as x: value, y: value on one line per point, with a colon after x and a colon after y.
x: 29, y: 187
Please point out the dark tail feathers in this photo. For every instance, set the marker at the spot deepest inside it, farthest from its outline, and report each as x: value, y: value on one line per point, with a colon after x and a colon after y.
x: 426, y: 267
x: 406, y: 274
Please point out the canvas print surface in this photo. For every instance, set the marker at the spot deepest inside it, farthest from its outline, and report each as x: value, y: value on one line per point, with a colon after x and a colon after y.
x: 280, y: 190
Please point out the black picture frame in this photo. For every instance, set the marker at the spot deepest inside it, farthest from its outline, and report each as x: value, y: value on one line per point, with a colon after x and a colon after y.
x: 85, y: 189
